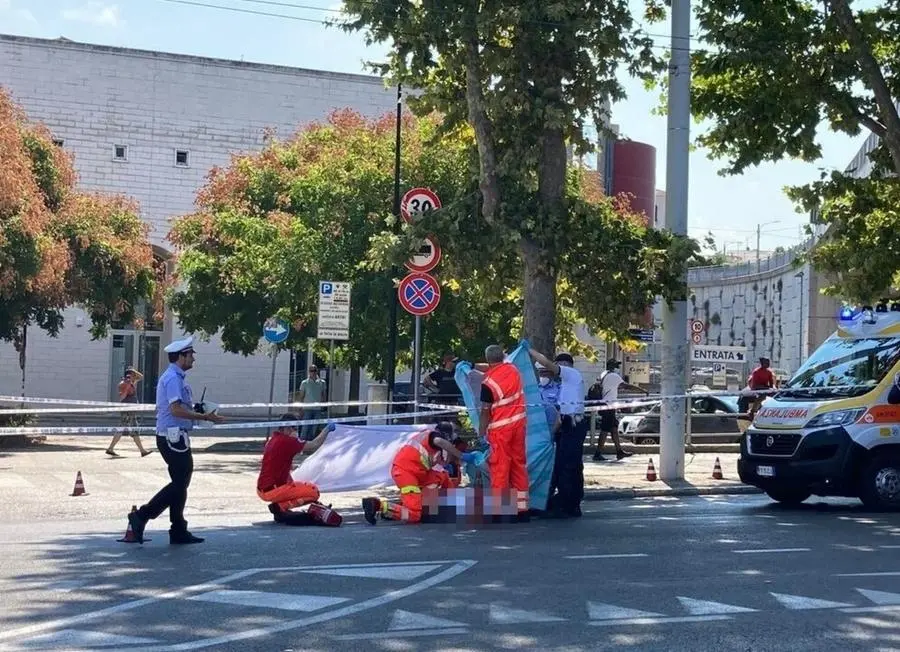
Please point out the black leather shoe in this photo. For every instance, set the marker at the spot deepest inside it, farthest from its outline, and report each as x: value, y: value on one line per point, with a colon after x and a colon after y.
x: 182, y: 538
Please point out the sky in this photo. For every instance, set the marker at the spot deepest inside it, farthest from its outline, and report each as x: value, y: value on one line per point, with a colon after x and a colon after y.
x: 715, y: 203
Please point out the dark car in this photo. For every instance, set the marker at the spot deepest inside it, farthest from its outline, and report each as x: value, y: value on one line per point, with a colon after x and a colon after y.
x: 709, y: 414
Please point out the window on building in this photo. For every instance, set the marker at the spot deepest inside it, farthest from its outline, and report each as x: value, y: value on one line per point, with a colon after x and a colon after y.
x: 181, y: 158
x: 121, y: 153
x: 59, y: 142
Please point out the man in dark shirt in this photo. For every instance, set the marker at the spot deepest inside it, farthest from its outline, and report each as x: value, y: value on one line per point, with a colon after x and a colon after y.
x: 444, y: 380
x: 274, y: 484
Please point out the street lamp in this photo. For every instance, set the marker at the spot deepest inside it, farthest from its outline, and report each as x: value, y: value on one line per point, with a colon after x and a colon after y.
x: 800, y: 275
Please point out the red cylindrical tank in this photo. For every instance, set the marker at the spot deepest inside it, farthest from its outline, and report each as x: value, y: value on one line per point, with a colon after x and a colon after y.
x: 634, y: 173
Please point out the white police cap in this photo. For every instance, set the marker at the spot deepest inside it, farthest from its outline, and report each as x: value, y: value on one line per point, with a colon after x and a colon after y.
x: 180, y: 345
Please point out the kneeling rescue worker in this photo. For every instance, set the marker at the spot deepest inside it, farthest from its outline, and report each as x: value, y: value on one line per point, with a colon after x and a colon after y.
x: 419, y: 464
x: 275, y: 485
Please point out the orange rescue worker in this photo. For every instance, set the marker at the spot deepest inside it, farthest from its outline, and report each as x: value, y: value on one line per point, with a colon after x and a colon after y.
x: 274, y: 484
x: 502, y: 423
x: 419, y: 464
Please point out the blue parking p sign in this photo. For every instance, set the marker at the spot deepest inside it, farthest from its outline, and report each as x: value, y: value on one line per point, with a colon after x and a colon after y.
x: 325, y: 288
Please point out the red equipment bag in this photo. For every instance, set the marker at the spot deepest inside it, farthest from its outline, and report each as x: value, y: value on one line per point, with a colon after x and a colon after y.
x: 325, y: 515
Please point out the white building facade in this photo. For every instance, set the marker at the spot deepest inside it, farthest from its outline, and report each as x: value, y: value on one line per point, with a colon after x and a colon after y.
x: 151, y: 125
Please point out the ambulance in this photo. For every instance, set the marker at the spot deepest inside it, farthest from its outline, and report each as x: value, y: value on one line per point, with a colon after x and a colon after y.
x: 833, y: 429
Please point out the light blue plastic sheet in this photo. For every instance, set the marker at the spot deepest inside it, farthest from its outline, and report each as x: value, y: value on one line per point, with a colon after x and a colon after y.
x: 539, y: 447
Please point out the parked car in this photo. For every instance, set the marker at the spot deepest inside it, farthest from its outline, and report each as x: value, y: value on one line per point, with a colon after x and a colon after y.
x: 719, y: 416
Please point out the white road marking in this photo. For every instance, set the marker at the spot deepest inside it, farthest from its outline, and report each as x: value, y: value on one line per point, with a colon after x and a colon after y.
x: 372, y: 603
x: 884, y: 574
x: 881, y: 597
x: 145, y: 478
x: 65, y: 586
x: 602, y: 611
x: 73, y: 638
x: 399, y: 634
x: 409, y: 620
x: 707, y: 607
x: 404, y: 572
x: 800, y: 602
x: 610, y: 556
x: 286, y: 601
x: 767, y: 550
x: 890, y: 547
x: 501, y: 615
x: 125, y: 606
x: 658, y: 621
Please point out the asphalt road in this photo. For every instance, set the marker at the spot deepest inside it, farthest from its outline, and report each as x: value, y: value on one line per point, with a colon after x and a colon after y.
x: 702, y: 573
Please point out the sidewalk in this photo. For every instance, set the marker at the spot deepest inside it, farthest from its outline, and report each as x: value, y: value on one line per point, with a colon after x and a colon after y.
x: 628, y: 478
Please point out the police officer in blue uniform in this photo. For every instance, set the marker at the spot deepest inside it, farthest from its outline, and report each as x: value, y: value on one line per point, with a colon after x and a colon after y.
x: 175, y: 416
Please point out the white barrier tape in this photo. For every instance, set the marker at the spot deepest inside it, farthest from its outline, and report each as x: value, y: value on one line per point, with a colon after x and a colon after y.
x: 105, y: 430
x: 151, y: 407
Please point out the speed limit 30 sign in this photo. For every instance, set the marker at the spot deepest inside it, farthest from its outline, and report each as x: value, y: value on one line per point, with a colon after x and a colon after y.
x: 417, y: 202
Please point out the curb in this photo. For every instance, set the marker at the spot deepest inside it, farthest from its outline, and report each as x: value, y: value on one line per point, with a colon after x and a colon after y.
x: 636, y: 492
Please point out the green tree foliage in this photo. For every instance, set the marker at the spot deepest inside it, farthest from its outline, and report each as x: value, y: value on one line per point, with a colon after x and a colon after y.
x: 525, y: 75
x: 60, y: 247
x: 771, y: 75
x: 317, y: 206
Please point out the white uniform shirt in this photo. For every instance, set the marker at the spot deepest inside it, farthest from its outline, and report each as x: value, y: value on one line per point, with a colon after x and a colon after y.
x: 571, y: 391
x: 609, y: 386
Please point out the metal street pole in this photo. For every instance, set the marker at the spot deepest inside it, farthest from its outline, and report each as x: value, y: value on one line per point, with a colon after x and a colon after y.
x: 392, y: 300
x: 803, y: 320
x: 417, y: 364
x: 675, y: 326
x: 330, y: 376
x: 272, y: 387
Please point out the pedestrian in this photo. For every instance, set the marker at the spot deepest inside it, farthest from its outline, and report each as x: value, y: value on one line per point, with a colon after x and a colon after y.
x: 128, y: 394
x: 502, y: 423
x: 760, y: 380
x: 312, y: 390
x: 175, y: 416
x: 549, y: 387
x: 443, y: 379
x: 274, y: 484
x: 567, y: 482
x: 419, y: 464
x: 606, y: 389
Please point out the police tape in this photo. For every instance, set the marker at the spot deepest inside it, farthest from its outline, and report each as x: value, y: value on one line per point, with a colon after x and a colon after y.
x: 104, y: 407
x: 107, y: 430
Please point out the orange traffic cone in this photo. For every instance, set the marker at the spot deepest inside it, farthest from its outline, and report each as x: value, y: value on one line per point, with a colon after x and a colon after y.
x: 651, y: 472
x: 717, y: 470
x: 129, y: 533
x: 79, y: 486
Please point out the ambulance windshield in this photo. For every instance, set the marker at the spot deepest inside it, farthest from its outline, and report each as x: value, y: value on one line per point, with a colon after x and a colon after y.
x: 844, y: 367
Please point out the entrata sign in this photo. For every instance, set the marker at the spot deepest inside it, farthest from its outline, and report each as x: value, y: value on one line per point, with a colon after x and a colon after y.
x: 707, y: 353
x: 416, y: 202
x: 428, y: 257
x: 419, y: 294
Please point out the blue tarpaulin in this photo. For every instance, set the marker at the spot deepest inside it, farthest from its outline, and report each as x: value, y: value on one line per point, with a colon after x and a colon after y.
x: 539, y: 447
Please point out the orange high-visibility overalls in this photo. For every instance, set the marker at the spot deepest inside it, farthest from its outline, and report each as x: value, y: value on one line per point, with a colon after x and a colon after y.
x: 413, y: 469
x: 506, y: 432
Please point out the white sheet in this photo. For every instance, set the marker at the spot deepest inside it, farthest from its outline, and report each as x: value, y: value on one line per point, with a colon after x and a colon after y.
x: 354, y: 458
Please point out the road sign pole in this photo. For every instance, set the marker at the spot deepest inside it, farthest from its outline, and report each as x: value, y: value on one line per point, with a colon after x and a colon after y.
x: 391, y: 362
x: 330, y: 379
x: 272, y: 387
x: 417, y: 366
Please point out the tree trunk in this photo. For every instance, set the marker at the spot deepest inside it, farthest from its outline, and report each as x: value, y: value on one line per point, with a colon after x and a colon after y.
x: 20, y: 343
x: 540, y: 299
x: 540, y: 266
x: 481, y: 123
x: 873, y: 77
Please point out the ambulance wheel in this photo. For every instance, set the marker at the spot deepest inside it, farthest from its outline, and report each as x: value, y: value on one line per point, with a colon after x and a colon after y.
x: 788, y: 496
x: 880, y: 482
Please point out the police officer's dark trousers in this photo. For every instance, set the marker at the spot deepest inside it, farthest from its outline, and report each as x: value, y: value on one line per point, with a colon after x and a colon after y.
x: 174, y: 494
x: 568, y: 467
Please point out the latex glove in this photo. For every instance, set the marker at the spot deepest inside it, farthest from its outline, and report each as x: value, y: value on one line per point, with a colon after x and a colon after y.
x: 330, y: 426
x: 468, y: 458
